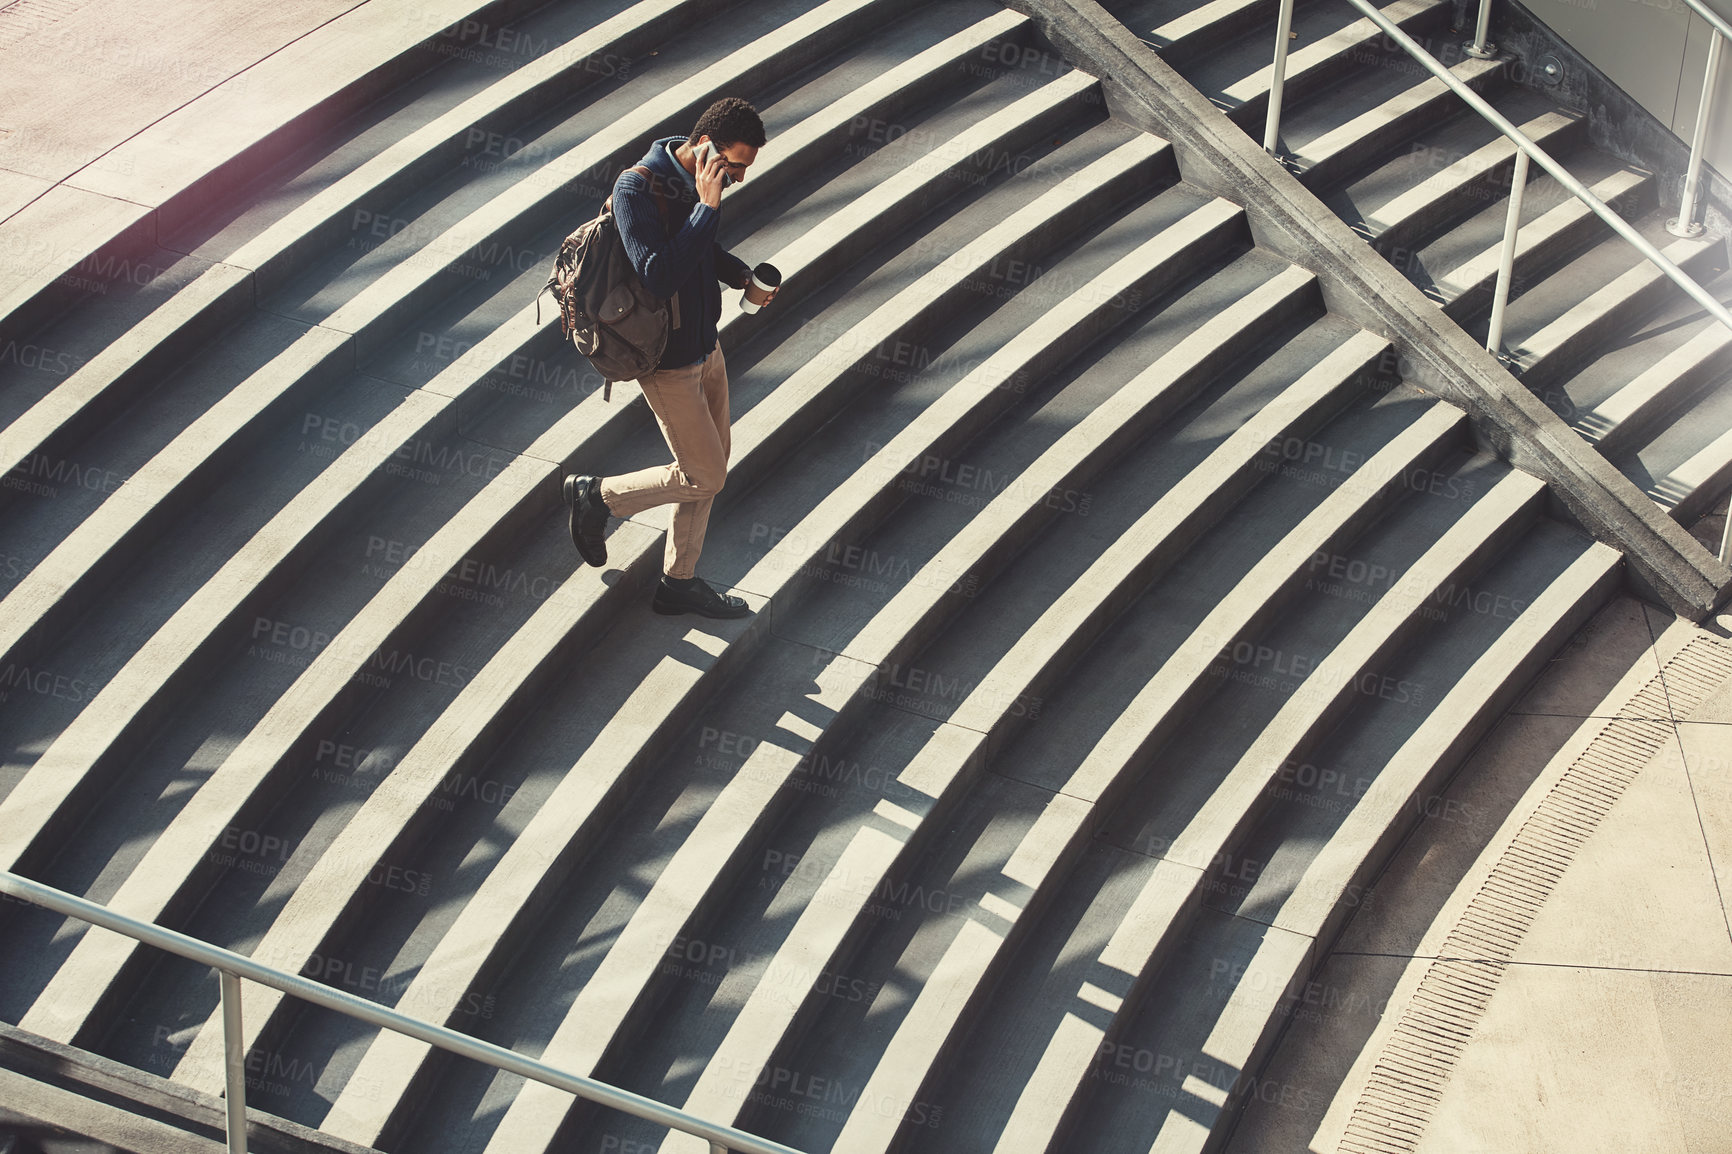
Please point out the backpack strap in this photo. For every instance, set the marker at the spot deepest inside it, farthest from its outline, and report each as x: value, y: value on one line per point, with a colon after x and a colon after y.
x: 662, y: 206
x: 661, y: 200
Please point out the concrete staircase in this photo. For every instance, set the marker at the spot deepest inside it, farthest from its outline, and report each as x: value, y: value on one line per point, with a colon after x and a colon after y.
x: 1597, y: 333
x: 1118, y: 606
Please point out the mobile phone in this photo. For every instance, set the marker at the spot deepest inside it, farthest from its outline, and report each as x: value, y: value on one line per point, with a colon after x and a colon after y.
x: 706, y: 150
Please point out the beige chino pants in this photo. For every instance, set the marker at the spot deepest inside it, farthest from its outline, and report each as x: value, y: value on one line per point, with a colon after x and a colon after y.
x: 691, y: 405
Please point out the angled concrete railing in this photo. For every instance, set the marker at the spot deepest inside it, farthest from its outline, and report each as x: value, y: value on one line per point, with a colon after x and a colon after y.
x: 1146, y: 91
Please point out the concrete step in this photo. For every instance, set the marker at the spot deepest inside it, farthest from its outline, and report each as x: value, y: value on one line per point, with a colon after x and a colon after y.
x: 1463, y: 275
x: 1342, y: 137
x: 1641, y: 395
x: 1330, y: 41
x: 1445, y: 176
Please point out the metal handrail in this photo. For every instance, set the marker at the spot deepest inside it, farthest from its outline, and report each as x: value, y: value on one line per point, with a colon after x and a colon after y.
x: 1478, y: 103
x: 231, y: 967
x: 1685, y: 225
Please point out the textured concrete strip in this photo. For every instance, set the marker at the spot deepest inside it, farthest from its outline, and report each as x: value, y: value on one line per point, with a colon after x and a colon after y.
x: 1319, y: 54
x: 167, y: 480
x: 1553, y: 350
x: 415, y: 282
x: 1625, y: 417
x: 1144, y: 90
x: 1082, y: 452
x: 1685, y: 681
x: 842, y: 509
x: 1478, y: 273
x: 83, y: 1120
x: 93, y: 392
x: 1686, y: 491
x: 1323, y: 159
x: 1394, y: 220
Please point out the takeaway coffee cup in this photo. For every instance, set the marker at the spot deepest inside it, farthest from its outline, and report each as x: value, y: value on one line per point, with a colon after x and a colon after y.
x: 766, y: 279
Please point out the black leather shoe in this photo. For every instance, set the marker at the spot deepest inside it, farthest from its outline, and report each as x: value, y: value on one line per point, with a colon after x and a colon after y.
x: 588, y: 517
x: 694, y: 596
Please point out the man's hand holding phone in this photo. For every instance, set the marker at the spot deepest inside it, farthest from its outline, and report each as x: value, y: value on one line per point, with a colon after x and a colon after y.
x: 712, y: 175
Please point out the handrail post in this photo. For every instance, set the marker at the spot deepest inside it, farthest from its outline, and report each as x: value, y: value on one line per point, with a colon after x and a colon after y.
x: 1726, y: 539
x: 1283, y: 33
x: 1506, y: 259
x: 1480, y: 49
x: 1687, y: 224
x: 234, y: 1061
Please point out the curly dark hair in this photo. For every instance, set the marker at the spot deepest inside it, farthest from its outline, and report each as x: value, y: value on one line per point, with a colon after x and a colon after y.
x: 730, y: 120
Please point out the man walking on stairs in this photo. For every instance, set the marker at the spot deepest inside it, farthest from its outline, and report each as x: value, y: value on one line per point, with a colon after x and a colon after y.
x: 681, y: 263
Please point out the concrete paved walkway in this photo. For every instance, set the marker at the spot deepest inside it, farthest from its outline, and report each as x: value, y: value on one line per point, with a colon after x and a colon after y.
x: 79, y: 77
x: 1609, y: 1027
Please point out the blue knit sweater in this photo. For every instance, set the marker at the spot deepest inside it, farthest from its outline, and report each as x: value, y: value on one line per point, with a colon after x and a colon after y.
x: 681, y: 262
